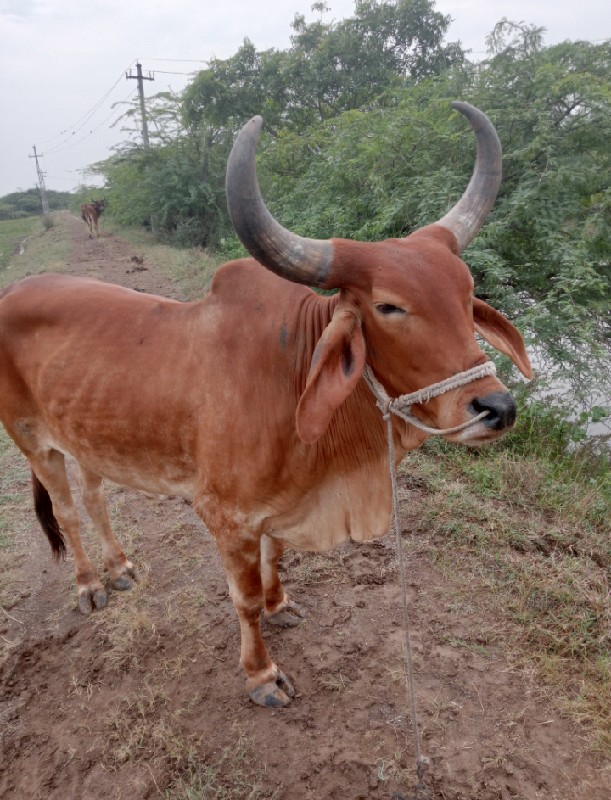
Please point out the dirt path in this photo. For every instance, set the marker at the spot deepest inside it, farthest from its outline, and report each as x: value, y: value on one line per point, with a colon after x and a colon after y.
x: 145, y: 699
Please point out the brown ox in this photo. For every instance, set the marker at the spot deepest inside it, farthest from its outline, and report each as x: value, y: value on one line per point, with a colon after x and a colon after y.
x: 91, y: 213
x: 251, y: 402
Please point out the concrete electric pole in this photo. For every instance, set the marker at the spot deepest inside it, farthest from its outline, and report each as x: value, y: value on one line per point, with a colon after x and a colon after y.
x: 141, y: 78
x: 41, y: 183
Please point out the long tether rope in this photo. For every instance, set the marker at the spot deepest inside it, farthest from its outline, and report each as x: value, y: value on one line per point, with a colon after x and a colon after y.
x: 401, y: 407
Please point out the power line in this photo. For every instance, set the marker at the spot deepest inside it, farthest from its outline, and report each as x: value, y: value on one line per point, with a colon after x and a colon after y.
x: 186, y: 60
x: 61, y: 149
x: 165, y: 72
x: 81, y: 121
x: 69, y: 141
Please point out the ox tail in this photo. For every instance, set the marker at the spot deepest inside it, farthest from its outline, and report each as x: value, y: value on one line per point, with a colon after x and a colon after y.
x: 44, y: 511
x: 83, y: 217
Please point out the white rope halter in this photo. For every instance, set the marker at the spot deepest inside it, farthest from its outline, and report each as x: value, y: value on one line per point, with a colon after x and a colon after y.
x: 402, y: 406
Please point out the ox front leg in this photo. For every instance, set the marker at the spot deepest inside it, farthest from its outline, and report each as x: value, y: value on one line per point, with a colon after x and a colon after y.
x: 241, y: 556
x: 279, y: 608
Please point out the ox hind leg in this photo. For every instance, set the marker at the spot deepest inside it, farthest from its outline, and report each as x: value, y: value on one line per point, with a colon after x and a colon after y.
x: 240, y: 552
x: 122, y: 572
x: 279, y: 609
x: 89, y: 220
x: 51, y: 482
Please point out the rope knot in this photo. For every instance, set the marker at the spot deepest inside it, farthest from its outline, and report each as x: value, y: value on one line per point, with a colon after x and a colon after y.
x: 384, y: 404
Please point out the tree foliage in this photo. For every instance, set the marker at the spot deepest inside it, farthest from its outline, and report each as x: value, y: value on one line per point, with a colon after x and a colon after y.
x: 330, y: 67
x: 19, y: 205
x: 360, y: 142
x: 177, y: 187
x: 400, y: 163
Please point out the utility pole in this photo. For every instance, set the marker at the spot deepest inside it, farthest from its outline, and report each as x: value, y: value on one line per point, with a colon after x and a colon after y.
x: 41, y: 183
x: 141, y: 78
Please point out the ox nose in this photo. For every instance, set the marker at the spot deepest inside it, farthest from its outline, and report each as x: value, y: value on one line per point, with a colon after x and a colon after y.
x: 501, y: 409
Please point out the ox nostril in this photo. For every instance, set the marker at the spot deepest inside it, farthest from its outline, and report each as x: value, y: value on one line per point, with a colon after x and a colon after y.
x: 501, y: 409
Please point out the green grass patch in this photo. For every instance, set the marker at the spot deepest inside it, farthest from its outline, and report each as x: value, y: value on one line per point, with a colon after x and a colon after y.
x: 13, y: 234
x: 32, y: 248
x: 16, y: 515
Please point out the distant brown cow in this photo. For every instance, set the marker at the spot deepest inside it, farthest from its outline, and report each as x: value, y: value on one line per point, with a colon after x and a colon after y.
x: 91, y: 213
x: 251, y: 402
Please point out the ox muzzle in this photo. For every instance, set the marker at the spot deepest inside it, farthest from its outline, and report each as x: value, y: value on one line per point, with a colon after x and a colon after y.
x: 495, y: 411
x: 500, y: 408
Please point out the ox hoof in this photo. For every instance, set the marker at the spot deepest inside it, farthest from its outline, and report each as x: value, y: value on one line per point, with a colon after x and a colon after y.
x: 90, y: 598
x: 288, y: 616
x: 274, y: 694
x: 126, y: 580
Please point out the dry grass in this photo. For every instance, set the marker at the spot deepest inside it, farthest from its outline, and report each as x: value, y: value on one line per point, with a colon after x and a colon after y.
x: 313, y: 569
x: 44, y: 250
x: 233, y: 774
x: 143, y: 729
x: 527, y: 542
x: 16, y: 517
x: 190, y: 268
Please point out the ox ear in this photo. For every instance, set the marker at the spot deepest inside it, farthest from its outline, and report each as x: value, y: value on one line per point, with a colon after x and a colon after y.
x: 501, y: 334
x: 337, y: 365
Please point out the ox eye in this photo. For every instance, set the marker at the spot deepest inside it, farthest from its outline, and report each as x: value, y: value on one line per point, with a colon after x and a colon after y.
x: 388, y: 308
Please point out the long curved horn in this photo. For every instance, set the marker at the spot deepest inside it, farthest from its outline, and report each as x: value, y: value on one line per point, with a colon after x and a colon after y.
x: 287, y: 254
x: 468, y: 215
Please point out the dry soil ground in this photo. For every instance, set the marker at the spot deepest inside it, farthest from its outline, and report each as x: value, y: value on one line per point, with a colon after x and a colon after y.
x: 146, y: 700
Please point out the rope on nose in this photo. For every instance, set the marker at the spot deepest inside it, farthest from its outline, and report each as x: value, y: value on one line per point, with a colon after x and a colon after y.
x: 402, y: 406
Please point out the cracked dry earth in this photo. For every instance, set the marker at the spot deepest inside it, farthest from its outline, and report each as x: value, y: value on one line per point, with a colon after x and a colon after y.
x: 145, y: 699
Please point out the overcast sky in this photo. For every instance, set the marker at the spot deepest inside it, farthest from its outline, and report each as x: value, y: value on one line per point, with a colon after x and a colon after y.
x: 61, y: 59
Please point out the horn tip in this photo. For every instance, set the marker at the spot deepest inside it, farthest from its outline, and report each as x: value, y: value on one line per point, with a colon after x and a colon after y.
x: 255, y: 122
x: 466, y: 109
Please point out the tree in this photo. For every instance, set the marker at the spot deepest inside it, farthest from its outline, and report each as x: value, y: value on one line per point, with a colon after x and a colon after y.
x: 550, y: 236
x: 18, y: 205
x: 329, y: 68
x: 235, y: 89
x: 401, y: 162
x: 361, y: 143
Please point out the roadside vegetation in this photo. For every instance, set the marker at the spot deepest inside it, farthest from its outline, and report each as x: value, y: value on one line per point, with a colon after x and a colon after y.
x: 523, y: 534
x: 29, y: 246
